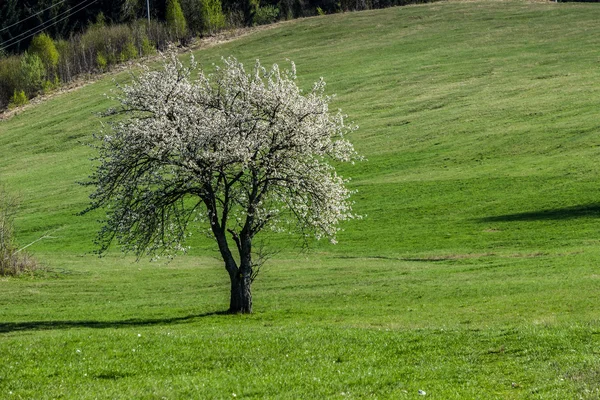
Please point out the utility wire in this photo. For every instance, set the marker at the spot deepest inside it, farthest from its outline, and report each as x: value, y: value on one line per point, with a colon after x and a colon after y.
x: 31, y: 16
x: 72, y: 11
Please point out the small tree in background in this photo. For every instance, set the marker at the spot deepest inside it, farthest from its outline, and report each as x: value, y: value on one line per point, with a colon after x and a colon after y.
x: 43, y: 46
x: 18, y: 99
x: 235, y: 152
x: 213, y: 18
x: 203, y: 16
x: 32, y: 74
x: 250, y: 8
x: 175, y: 19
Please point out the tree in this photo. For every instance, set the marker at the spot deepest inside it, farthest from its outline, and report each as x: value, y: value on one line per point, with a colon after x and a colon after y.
x: 212, y: 17
x: 234, y: 152
x: 175, y: 19
x: 43, y: 46
x: 32, y: 74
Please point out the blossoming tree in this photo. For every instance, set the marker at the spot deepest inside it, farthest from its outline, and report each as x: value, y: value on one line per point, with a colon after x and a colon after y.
x: 232, y: 151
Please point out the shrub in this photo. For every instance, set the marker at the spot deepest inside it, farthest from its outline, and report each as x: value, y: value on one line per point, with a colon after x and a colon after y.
x: 212, y: 16
x: 18, y: 99
x: 159, y: 34
x: 100, y: 20
x: 49, y: 85
x: 204, y: 16
x: 33, y: 74
x: 251, y: 7
x: 101, y: 62
x: 43, y: 46
x: 140, y: 39
x: 49, y: 62
x: 235, y: 19
x: 10, y: 78
x: 102, y: 46
x: 266, y: 15
x: 129, y: 52
x: 147, y: 47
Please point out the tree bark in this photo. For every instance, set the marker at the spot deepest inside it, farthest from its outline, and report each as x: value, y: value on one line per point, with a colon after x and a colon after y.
x: 241, y: 295
x: 240, y: 301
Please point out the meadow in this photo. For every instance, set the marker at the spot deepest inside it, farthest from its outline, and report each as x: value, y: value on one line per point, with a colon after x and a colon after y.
x: 474, y: 274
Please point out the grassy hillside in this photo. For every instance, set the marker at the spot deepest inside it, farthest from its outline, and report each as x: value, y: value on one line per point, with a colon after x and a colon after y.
x: 473, y: 275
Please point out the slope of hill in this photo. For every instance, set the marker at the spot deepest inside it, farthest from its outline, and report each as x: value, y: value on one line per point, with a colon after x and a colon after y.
x: 473, y: 275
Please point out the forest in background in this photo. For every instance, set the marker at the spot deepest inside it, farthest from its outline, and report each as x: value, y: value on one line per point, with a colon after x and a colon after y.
x: 63, y: 18
x: 47, y: 43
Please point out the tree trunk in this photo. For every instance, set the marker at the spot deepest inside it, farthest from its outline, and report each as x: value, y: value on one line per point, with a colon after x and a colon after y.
x: 241, y: 295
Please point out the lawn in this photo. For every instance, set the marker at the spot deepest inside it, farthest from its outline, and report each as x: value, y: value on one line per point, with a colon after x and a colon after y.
x: 474, y: 273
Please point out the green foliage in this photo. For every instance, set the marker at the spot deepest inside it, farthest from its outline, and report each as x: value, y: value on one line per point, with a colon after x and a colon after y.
x: 129, y: 52
x: 175, y: 19
x: 204, y: 16
x: 212, y: 15
x: 50, y: 85
x: 18, y: 99
x: 148, y: 48
x: 320, y: 11
x: 100, y: 20
x: 266, y: 15
x: 33, y: 74
x: 475, y: 268
x: 250, y: 9
x: 100, y: 48
x: 43, y: 46
x: 101, y: 62
x: 63, y: 60
x: 10, y: 78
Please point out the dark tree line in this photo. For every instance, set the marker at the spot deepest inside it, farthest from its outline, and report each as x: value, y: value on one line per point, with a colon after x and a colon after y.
x: 19, y: 19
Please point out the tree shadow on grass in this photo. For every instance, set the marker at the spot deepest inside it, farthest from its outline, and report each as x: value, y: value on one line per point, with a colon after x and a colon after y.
x: 582, y: 211
x: 6, y: 327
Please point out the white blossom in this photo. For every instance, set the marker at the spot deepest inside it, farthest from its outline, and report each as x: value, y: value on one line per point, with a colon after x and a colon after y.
x: 230, y: 149
x: 235, y: 152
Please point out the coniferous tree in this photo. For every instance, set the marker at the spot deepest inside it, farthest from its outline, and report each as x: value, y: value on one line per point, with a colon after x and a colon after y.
x: 176, y: 19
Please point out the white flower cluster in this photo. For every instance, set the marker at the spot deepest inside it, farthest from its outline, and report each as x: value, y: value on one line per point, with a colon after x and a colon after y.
x: 242, y: 151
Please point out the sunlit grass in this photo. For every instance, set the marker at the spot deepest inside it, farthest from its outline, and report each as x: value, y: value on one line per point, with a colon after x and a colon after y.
x: 474, y: 273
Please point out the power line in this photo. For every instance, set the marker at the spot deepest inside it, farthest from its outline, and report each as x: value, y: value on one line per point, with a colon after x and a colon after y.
x: 31, y: 16
x: 72, y: 11
x: 43, y: 23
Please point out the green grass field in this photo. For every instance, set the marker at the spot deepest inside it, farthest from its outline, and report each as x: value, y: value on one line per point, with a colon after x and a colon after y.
x: 473, y: 276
